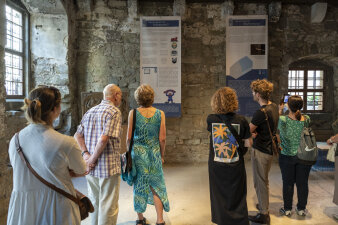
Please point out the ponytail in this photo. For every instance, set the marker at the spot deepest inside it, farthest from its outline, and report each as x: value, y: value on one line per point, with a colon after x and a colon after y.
x: 33, y: 110
x: 298, y: 115
x: 295, y: 104
x: 40, y: 102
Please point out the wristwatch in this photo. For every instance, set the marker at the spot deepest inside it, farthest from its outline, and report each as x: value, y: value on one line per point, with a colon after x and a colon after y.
x: 84, y: 152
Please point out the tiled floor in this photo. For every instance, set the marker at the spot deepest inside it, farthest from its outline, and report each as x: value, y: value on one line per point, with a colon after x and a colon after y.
x: 188, y: 193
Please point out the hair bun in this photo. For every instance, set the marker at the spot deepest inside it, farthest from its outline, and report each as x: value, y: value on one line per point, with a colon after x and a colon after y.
x: 36, y: 100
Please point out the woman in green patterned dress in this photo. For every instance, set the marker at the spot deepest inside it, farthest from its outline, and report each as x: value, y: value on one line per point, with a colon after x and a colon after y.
x: 147, y: 156
x: 293, y: 171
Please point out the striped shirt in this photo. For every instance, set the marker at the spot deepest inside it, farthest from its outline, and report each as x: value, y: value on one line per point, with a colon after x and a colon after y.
x: 103, y: 119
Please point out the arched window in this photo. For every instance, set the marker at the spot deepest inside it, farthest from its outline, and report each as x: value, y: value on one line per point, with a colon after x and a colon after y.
x: 310, y: 80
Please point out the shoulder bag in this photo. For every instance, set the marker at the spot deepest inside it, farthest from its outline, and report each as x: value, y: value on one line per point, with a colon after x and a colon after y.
x: 126, y: 160
x: 242, y: 148
x: 307, y: 152
x: 85, y: 205
x: 332, y: 152
x: 275, y: 148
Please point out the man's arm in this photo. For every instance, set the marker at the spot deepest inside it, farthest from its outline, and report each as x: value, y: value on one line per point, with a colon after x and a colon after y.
x: 100, y: 146
x: 253, y: 130
x: 81, y: 142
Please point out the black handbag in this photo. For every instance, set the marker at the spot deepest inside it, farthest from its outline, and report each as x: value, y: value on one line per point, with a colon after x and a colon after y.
x: 126, y: 161
x: 84, y: 203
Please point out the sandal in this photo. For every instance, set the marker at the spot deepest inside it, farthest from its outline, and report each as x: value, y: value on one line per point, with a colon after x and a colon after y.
x: 142, y: 222
x: 160, y: 223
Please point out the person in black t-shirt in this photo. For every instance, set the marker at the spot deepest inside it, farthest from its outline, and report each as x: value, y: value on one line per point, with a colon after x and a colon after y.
x: 262, y: 151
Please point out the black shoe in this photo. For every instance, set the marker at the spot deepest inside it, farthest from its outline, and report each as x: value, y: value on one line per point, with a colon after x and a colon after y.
x: 143, y: 222
x: 260, y: 218
x: 160, y: 223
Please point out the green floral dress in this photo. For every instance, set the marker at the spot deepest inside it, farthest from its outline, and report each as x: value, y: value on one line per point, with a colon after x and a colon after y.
x: 290, y: 131
x: 147, y: 169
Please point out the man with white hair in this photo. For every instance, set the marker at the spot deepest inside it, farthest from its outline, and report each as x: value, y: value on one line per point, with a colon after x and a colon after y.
x: 98, y: 136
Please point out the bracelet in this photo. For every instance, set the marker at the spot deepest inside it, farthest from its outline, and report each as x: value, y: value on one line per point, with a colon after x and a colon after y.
x: 84, y: 152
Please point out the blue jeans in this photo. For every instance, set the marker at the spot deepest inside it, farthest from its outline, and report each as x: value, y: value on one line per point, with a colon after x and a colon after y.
x: 294, y: 172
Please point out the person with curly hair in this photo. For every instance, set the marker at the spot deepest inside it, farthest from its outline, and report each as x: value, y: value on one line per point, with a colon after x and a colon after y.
x: 228, y: 144
x: 262, y: 149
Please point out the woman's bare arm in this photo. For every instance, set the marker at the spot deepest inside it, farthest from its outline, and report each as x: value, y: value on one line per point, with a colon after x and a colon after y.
x: 162, y: 136
x: 130, y: 127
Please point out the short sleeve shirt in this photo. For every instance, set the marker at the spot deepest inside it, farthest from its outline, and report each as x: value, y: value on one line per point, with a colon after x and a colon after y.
x: 263, y: 141
x: 103, y: 119
x: 244, y: 129
x: 290, y: 131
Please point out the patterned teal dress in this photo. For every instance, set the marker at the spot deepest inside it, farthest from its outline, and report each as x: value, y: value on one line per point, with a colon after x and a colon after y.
x: 147, y: 164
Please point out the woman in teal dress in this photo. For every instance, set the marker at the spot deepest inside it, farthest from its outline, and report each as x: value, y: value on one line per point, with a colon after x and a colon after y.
x: 147, y: 156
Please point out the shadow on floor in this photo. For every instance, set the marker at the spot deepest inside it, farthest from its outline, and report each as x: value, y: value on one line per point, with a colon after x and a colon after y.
x: 330, y: 211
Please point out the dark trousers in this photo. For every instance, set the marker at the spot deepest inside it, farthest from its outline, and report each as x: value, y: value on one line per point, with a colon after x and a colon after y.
x: 294, y: 172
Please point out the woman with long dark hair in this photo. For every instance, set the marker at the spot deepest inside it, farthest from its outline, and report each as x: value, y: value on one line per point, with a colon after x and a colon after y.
x: 293, y: 171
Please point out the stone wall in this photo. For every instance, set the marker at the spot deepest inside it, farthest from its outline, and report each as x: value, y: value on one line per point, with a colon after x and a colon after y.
x: 49, y: 42
x: 5, y: 172
x: 48, y: 56
x: 48, y: 45
x: 107, y: 50
x: 203, y: 70
x: 107, y: 46
x: 294, y: 38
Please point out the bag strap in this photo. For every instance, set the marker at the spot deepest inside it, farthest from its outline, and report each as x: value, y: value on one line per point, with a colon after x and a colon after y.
x: 234, y: 132
x: 306, y: 121
x: 52, y: 186
x: 271, y: 135
x: 132, y: 131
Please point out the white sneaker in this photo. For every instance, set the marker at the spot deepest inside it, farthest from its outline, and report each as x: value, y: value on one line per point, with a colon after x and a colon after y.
x: 301, y: 212
x: 285, y: 212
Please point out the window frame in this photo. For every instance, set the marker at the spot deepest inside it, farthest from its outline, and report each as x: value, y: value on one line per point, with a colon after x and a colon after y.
x: 305, y: 90
x: 17, y: 5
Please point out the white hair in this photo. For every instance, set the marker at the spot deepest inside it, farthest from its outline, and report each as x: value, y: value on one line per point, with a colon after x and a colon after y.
x: 110, y: 90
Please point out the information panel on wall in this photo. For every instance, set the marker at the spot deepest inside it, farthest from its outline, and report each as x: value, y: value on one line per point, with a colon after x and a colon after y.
x: 246, y: 56
x: 160, y: 61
